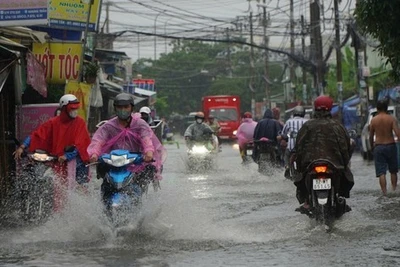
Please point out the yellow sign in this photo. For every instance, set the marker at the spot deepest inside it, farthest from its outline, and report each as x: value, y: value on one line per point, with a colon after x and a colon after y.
x: 72, y: 14
x: 82, y: 92
x: 61, y: 60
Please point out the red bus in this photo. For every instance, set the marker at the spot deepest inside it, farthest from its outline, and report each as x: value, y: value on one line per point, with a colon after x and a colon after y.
x: 226, y: 110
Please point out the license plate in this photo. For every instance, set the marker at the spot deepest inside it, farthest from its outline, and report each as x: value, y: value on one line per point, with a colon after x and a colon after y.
x: 322, y: 184
x: 224, y: 137
x: 249, y: 152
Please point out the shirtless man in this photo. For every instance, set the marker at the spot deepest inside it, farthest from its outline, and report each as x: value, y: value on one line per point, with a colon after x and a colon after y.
x: 383, y: 126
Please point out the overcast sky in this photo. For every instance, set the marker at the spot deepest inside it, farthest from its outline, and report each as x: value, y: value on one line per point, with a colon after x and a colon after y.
x: 205, y: 19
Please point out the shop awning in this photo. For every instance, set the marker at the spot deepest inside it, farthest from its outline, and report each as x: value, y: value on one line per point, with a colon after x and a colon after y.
x: 143, y: 92
x: 24, y: 33
x: 116, y: 89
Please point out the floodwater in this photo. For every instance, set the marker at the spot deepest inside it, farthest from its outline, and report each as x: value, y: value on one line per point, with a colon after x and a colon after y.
x: 230, y: 216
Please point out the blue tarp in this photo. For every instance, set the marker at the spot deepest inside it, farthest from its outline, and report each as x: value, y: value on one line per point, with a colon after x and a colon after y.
x: 392, y: 94
x: 349, y: 112
x: 352, y: 101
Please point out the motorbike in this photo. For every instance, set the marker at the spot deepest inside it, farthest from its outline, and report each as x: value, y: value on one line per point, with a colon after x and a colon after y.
x: 123, y: 188
x: 201, y: 153
x: 247, y: 152
x: 291, y: 171
x: 322, y: 183
x: 266, y: 155
x: 36, y: 188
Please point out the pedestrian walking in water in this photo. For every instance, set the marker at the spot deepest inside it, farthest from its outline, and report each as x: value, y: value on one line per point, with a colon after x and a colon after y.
x: 381, y: 129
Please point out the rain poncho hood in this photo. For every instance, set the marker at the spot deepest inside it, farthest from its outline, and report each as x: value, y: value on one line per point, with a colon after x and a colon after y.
x: 136, y: 137
x: 268, y: 114
x: 245, y: 131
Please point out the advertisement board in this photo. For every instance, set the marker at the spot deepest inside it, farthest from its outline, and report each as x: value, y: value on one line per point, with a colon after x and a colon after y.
x: 23, y: 12
x: 34, y: 115
x: 72, y: 14
x: 60, y: 60
x: 82, y: 92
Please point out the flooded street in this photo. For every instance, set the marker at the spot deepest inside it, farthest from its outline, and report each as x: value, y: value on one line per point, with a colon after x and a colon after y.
x: 230, y: 216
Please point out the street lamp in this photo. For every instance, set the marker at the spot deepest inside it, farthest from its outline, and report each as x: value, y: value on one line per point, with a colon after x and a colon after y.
x: 155, y: 34
x: 165, y: 33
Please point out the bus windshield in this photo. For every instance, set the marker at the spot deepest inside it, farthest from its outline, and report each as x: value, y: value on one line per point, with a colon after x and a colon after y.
x: 224, y: 114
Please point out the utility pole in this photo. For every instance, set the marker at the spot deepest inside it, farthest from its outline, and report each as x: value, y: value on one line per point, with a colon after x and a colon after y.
x: 229, y: 53
x: 339, y: 77
x: 108, y: 3
x: 84, y: 41
x: 291, y: 62
x: 303, y: 49
x: 266, y: 56
x: 138, y: 46
x: 252, y: 71
x: 316, y: 42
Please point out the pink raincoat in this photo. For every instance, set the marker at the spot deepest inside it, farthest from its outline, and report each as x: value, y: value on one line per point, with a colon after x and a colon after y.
x: 137, y: 137
x: 245, y: 131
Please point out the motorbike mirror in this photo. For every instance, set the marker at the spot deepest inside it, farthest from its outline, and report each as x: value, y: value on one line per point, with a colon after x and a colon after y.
x: 69, y: 148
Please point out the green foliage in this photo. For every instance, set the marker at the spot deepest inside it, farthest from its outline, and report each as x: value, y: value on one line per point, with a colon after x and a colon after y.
x: 349, y: 75
x: 194, y: 69
x: 161, y: 105
x: 91, y: 69
x: 380, y: 19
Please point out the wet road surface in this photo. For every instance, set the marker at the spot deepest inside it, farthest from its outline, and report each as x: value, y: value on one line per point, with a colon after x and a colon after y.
x: 229, y: 216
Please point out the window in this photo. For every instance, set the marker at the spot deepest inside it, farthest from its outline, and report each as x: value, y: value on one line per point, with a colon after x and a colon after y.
x: 224, y: 114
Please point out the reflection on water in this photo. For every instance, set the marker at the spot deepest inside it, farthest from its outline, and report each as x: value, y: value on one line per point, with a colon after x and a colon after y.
x: 230, y: 216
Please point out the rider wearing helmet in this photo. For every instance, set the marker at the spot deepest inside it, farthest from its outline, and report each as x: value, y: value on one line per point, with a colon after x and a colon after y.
x: 322, y: 138
x: 198, y: 130
x: 145, y: 112
x: 129, y: 132
x: 291, y: 128
x: 59, y: 133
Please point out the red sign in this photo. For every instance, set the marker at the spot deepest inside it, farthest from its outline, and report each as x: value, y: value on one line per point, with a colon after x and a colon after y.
x: 147, y: 84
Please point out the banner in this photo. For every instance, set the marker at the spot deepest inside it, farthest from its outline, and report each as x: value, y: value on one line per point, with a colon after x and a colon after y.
x: 60, y: 60
x: 147, y: 84
x: 32, y: 116
x: 23, y: 12
x: 72, y: 14
x: 82, y: 92
x: 36, y: 76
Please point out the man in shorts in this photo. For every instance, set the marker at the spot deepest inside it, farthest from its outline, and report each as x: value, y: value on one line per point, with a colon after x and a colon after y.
x: 382, y: 128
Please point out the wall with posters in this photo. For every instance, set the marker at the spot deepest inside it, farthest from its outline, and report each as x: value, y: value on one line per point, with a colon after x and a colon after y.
x: 61, y: 60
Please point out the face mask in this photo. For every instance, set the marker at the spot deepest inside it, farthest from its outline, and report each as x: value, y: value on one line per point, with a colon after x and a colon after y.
x: 73, y: 113
x: 145, y: 117
x: 123, y: 114
x: 199, y: 121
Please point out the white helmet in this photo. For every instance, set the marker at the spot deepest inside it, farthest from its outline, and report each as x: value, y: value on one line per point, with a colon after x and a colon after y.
x: 67, y: 99
x: 145, y: 110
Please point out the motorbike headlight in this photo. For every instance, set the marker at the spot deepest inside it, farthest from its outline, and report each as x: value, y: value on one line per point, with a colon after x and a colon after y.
x: 199, y: 150
x: 119, y: 161
x: 234, y: 132
x: 41, y: 157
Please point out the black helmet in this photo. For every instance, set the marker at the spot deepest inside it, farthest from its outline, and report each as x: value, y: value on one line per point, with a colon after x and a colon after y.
x: 299, y: 111
x: 124, y: 99
x: 199, y: 115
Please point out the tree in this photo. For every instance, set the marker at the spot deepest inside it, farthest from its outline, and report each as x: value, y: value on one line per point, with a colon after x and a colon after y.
x: 349, y: 76
x: 380, y: 19
x: 194, y: 69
